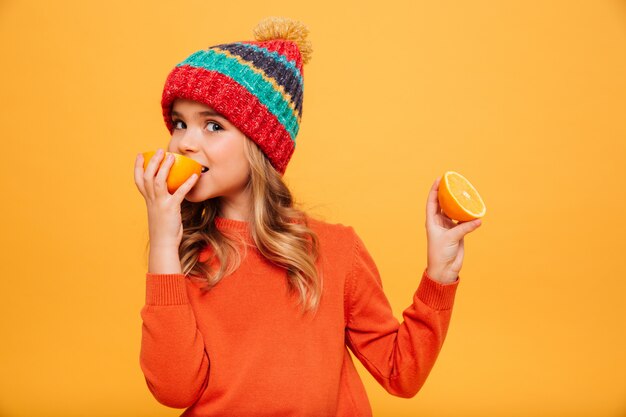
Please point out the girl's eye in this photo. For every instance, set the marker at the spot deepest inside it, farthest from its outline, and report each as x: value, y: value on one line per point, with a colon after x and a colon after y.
x: 214, y: 124
x: 211, y: 126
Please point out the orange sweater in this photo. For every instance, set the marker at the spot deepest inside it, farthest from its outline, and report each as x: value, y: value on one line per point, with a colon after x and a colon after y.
x: 244, y: 349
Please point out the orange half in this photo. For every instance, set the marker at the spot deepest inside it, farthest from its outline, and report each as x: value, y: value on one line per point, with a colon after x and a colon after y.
x: 458, y: 198
x: 182, y: 168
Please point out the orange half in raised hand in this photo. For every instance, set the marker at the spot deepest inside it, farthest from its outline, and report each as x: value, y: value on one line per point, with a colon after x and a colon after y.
x: 182, y: 168
x: 458, y: 198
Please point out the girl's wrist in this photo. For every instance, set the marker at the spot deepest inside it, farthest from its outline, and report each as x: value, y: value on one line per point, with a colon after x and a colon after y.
x: 164, y: 246
x: 164, y: 243
x: 440, y: 276
x: 164, y: 260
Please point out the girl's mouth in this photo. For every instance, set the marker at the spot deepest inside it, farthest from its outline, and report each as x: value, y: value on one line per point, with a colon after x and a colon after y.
x: 204, y: 169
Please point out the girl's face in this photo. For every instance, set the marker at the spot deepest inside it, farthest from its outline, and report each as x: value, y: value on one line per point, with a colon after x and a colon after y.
x: 210, y: 139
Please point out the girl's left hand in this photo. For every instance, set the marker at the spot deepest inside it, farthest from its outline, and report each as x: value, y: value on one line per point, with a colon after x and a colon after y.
x: 445, y: 240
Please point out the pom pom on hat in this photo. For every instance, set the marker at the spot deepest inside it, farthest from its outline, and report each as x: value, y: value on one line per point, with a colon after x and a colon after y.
x: 257, y: 85
x: 272, y: 28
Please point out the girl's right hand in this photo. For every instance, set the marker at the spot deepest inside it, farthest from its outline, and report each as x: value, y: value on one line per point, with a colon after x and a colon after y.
x: 164, y: 218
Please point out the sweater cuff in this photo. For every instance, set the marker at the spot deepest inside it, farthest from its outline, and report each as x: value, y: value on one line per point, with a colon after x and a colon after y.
x: 436, y: 295
x: 166, y: 289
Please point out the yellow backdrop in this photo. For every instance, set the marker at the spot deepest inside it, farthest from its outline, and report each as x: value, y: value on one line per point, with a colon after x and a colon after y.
x: 525, y: 98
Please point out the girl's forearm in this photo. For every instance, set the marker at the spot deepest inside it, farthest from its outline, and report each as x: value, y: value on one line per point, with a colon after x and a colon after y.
x: 164, y: 260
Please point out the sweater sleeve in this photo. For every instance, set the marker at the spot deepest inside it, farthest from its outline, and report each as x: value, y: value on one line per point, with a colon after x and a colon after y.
x: 173, y: 357
x: 399, y: 355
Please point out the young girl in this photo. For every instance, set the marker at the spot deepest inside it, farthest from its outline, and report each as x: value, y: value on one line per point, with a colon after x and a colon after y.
x: 251, y: 305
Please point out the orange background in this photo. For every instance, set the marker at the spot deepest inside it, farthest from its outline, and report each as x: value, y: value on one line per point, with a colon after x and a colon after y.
x: 525, y: 98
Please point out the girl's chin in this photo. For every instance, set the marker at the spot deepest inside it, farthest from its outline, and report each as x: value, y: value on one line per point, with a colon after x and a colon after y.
x: 194, y: 196
x: 195, y: 199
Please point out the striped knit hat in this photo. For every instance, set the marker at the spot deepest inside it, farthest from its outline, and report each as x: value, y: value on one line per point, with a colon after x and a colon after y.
x: 256, y: 85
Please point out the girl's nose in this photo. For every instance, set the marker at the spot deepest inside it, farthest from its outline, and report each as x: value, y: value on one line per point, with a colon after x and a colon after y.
x: 189, y: 142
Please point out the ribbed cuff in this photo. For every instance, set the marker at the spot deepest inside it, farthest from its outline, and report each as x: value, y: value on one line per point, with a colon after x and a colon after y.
x: 166, y: 289
x: 436, y: 295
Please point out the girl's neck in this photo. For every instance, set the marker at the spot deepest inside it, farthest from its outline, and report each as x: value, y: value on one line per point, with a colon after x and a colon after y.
x: 237, y: 206
x: 235, y: 210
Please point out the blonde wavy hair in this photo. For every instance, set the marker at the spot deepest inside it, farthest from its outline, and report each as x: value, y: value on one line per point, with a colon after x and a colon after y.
x: 280, y: 232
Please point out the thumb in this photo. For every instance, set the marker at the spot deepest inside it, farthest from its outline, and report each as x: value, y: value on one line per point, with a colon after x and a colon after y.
x: 463, y: 228
x: 182, y: 191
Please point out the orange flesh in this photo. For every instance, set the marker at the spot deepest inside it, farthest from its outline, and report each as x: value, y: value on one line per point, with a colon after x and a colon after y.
x: 465, y: 194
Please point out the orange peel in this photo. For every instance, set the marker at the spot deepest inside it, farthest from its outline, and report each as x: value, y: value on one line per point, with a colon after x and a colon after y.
x: 182, y: 168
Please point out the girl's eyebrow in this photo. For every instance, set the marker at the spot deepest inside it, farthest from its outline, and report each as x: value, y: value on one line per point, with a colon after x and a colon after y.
x: 201, y: 113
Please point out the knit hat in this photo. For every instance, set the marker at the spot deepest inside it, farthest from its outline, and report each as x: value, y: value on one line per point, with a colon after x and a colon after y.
x: 257, y: 85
